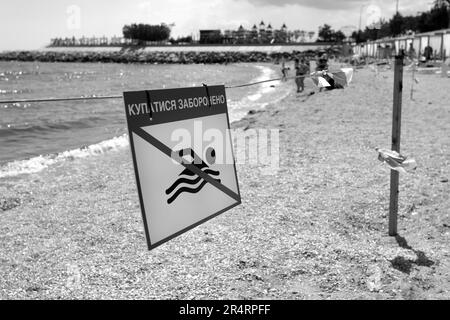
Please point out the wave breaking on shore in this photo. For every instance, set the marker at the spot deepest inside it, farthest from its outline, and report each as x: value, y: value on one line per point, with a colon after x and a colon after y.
x: 259, y: 99
x: 39, y: 163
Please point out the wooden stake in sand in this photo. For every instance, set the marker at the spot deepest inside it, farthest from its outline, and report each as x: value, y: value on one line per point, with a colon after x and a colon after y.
x: 444, y: 67
x: 396, y: 122
x: 413, y: 79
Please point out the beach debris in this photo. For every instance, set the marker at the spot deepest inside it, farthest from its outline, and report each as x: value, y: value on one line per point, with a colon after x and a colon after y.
x: 395, y: 160
x: 74, y: 277
x: 373, y: 281
x: 412, y: 209
x: 9, y: 203
x: 374, y: 69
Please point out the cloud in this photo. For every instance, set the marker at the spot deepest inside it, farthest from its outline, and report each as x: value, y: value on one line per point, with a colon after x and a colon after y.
x: 406, y: 6
x: 316, y: 4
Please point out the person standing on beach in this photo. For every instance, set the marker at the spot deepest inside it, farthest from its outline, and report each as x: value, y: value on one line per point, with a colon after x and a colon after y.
x: 301, y: 69
x: 322, y: 61
x: 411, y: 51
x: 322, y: 64
x: 284, y: 69
x: 428, y: 52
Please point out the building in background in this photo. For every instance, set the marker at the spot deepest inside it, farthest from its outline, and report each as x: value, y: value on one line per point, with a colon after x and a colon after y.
x: 263, y: 34
x: 210, y: 36
x: 257, y: 34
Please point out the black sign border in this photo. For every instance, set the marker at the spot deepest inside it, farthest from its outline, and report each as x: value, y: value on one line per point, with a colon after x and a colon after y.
x: 151, y: 245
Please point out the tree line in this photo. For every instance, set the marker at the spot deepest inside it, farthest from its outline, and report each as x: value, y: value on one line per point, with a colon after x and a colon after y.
x: 438, y: 17
x: 146, y: 32
x: 326, y: 34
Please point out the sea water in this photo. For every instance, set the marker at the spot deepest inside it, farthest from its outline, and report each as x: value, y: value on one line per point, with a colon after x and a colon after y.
x: 36, y: 135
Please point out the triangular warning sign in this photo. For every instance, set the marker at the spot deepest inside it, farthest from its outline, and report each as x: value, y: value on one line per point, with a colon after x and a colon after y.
x: 182, y: 179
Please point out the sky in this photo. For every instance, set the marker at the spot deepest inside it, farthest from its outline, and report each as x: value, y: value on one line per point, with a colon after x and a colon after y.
x: 28, y: 24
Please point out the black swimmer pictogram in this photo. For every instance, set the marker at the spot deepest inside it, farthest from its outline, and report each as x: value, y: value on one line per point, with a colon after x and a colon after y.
x: 189, y: 178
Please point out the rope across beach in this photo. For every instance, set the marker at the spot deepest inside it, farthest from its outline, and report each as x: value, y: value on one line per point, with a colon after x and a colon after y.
x: 314, y: 75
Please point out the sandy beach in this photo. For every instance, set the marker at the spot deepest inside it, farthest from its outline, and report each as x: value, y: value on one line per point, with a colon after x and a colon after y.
x: 315, y: 230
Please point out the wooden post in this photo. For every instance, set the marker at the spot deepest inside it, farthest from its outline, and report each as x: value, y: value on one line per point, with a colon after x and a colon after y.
x: 413, y: 79
x: 396, y: 122
x: 444, y: 68
x: 420, y: 48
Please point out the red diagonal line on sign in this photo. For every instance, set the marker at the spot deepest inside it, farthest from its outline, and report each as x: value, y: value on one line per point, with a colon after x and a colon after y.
x: 168, y: 151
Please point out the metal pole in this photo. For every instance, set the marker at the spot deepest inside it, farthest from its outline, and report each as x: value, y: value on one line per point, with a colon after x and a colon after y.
x: 396, y: 122
x: 360, y: 14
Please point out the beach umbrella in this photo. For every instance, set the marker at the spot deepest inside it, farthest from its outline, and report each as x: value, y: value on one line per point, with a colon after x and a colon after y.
x: 320, y: 82
x: 342, y: 77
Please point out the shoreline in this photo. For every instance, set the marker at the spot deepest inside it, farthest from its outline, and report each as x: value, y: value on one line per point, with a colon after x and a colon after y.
x: 44, y: 161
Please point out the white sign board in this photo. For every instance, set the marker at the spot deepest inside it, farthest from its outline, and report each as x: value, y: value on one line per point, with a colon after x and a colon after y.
x: 183, y: 158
